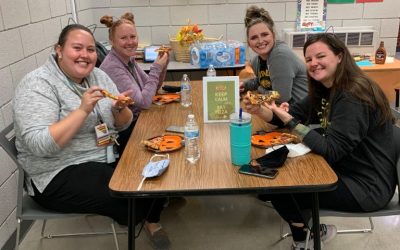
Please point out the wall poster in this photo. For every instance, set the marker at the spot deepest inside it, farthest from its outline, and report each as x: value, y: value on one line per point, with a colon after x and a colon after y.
x: 311, y: 15
x: 220, y: 97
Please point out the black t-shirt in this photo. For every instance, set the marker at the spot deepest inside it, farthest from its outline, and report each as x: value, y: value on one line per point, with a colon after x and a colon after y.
x: 263, y: 75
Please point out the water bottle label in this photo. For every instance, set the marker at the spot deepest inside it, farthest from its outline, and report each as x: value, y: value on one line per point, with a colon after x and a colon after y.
x: 223, y: 56
x: 192, y: 134
x: 185, y: 86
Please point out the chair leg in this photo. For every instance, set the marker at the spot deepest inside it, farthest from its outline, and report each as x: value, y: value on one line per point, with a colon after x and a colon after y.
x: 344, y: 231
x: 50, y: 235
x: 308, y: 238
x: 115, y: 235
x: 362, y: 230
x: 18, y: 232
x: 43, y: 228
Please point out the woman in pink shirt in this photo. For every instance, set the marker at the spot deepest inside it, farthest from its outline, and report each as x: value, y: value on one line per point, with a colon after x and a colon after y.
x: 121, y: 67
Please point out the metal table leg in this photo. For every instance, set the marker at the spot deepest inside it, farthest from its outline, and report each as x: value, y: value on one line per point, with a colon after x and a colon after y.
x: 131, y: 224
x: 315, y: 216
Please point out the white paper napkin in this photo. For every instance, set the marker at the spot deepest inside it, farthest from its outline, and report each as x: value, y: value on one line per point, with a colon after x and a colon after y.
x: 294, y: 149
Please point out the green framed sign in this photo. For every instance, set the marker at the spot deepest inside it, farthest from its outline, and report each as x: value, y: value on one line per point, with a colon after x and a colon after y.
x: 220, y: 98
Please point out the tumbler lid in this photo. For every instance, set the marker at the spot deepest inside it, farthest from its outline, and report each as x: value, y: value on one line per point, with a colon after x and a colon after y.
x: 246, y: 118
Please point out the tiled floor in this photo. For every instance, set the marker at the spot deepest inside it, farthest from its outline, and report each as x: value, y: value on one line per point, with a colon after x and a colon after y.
x: 217, y: 222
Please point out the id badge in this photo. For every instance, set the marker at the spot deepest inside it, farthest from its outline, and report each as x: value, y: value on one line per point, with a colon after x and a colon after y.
x: 103, y: 136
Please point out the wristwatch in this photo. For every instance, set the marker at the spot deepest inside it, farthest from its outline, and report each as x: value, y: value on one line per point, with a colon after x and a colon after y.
x: 292, y: 124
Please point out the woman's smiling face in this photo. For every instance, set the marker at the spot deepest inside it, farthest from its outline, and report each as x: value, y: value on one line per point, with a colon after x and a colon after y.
x: 125, y: 40
x: 77, y: 57
x: 322, y: 63
x: 261, y: 39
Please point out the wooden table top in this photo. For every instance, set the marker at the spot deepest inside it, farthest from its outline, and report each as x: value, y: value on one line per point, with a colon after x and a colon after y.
x: 213, y: 173
x: 395, y: 65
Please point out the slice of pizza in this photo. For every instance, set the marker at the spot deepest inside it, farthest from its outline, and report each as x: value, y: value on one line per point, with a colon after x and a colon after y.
x: 284, y: 138
x: 154, y: 143
x: 125, y: 99
x: 163, y: 49
x: 257, y: 98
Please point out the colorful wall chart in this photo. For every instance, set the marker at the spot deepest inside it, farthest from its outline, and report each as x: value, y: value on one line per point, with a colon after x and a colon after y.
x: 311, y: 15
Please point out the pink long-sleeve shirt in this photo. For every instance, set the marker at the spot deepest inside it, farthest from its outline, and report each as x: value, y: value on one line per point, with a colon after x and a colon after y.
x: 143, y: 88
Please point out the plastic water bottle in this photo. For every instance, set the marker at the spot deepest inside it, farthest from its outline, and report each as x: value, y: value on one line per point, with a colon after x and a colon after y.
x: 186, y: 95
x: 192, y: 150
x: 211, y: 71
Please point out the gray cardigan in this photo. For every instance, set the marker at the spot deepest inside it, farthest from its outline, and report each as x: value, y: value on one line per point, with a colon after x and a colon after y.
x: 287, y: 72
x: 43, y: 98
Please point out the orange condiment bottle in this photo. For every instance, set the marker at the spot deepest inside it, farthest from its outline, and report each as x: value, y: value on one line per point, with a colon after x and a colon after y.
x: 380, y: 54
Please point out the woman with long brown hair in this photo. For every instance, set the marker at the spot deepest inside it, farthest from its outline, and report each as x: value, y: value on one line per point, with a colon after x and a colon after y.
x: 355, y: 136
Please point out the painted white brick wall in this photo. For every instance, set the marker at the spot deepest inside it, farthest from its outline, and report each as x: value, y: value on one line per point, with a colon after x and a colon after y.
x: 29, y: 28
x: 15, y: 13
x: 344, y: 11
x: 7, y: 88
x: 58, y: 7
x: 39, y: 9
x: 197, y: 13
x: 11, y: 47
x: 167, y: 2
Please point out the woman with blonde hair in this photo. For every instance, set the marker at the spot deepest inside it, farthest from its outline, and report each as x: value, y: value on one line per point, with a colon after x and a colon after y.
x: 276, y: 66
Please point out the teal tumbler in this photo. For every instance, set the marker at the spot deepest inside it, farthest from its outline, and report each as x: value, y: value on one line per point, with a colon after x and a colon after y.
x: 240, y: 138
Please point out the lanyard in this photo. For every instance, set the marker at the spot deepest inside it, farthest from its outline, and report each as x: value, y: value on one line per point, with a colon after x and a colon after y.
x: 131, y: 69
x: 72, y: 86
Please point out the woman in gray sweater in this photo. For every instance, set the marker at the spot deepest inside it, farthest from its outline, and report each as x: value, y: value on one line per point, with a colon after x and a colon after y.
x: 61, y: 119
x: 276, y: 66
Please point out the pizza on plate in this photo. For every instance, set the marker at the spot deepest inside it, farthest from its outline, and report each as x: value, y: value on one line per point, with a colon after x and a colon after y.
x: 163, y: 143
x: 266, y: 140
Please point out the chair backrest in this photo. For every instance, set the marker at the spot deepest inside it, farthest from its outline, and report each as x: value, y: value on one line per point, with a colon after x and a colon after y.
x: 7, y: 142
x: 102, y: 52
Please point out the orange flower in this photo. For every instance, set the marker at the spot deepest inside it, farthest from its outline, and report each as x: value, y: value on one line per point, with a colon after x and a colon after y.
x: 190, y: 33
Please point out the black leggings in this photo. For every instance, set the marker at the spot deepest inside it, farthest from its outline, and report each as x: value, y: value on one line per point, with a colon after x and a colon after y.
x: 84, y: 188
x: 296, y: 208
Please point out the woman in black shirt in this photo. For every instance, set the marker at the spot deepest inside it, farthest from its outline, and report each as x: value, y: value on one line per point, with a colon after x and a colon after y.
x: 354, y: 137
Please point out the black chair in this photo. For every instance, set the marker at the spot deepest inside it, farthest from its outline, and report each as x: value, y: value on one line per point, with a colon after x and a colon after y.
x: 27, y: 208
x: 393, y: 208
x: 102, y: 52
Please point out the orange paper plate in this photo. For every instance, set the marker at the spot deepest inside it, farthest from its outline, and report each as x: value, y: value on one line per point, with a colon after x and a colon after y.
x: 165, y: 143
x: 166, y: 98
x: 264, y: 140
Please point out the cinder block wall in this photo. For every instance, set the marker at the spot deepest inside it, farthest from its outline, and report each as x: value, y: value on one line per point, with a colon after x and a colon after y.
x: 158, y: 19
x: 29, y: 28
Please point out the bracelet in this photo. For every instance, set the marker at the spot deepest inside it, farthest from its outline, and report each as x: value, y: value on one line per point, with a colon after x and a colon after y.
x: 292, y: 124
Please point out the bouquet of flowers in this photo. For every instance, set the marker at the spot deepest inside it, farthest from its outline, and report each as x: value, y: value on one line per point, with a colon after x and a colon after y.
x: 189, y: 34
